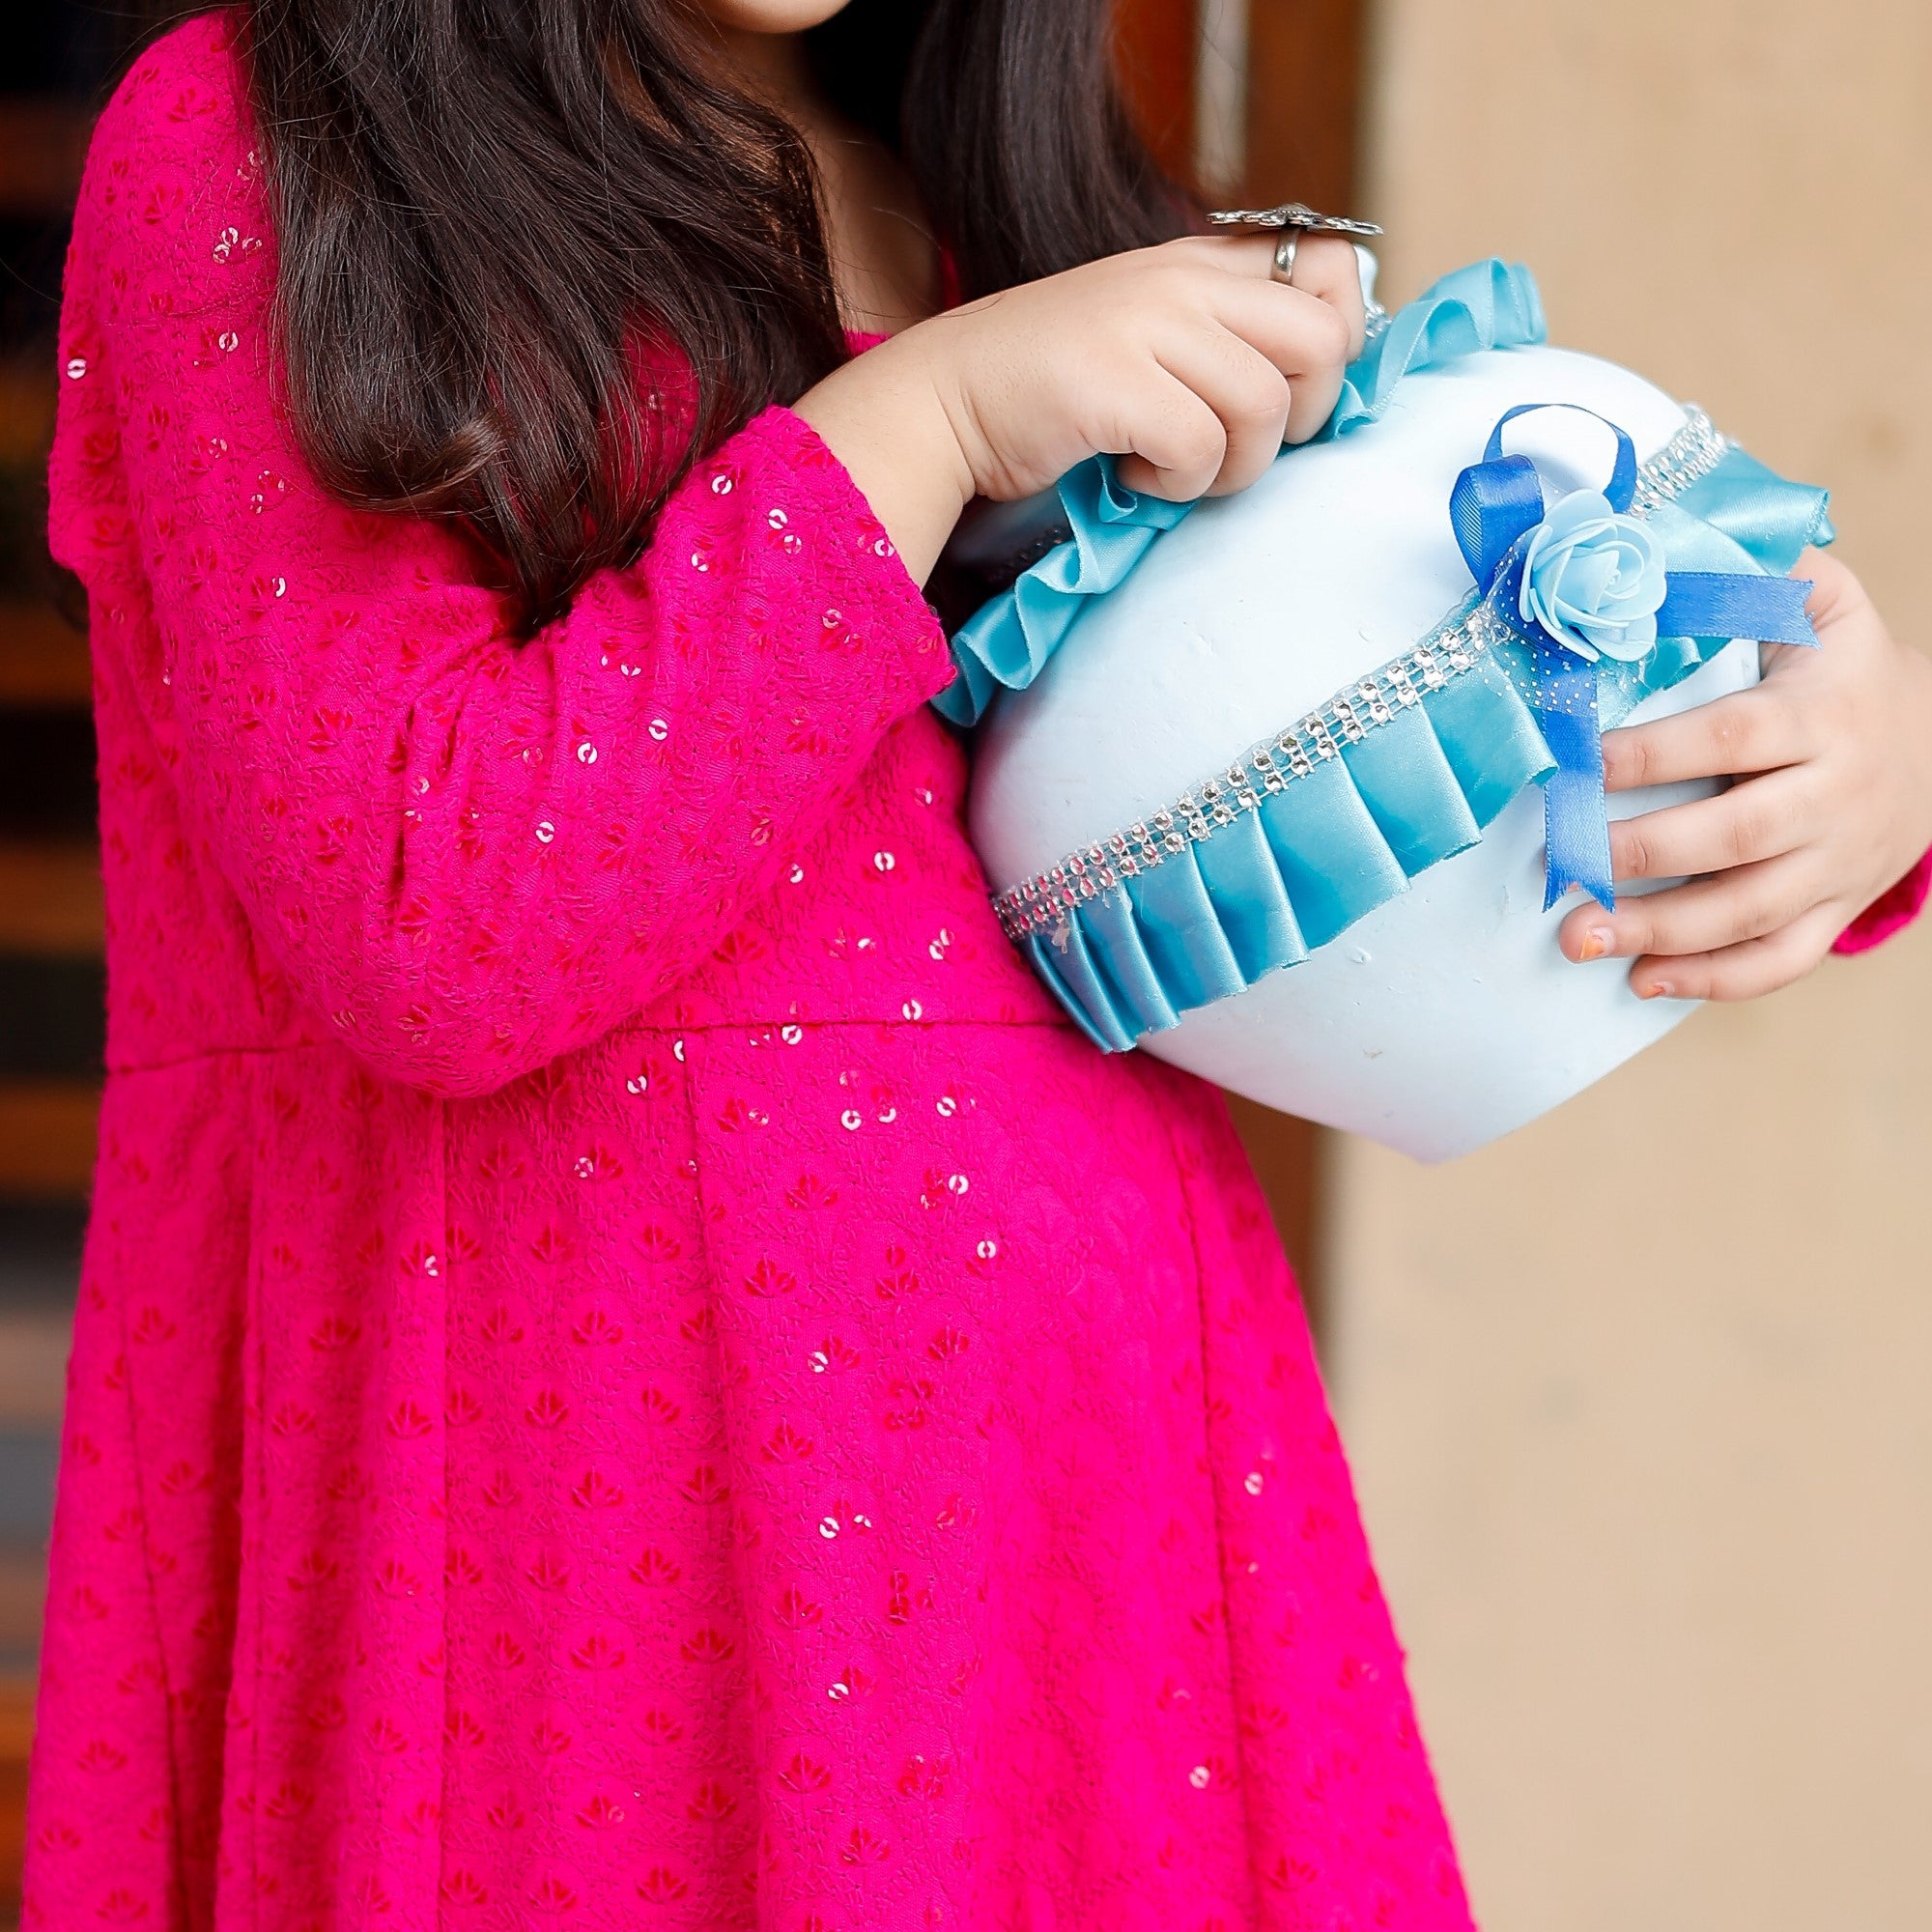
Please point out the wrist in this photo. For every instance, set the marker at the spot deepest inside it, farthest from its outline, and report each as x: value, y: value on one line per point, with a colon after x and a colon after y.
x: 883, y: 417
x: 922, y: 365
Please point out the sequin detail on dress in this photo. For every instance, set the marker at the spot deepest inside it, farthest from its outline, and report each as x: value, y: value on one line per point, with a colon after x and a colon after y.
x: 631, y: 1371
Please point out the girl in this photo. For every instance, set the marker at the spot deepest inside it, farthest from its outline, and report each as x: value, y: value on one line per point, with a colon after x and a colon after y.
x: 632, y: 1370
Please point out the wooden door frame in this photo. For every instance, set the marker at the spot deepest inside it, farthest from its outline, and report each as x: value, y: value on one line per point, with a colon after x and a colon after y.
x: 1304, y: 52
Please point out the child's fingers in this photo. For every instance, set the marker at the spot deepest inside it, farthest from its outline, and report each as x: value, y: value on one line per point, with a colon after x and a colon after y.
x: 1705, y: 916
x: 1759, y: 818
x: 1245, y: 390
x: 1300, y: 335
x: 1176, y: 443
x: 1756, y: 730
x: 1326, y: 268
x: 1741, y: 971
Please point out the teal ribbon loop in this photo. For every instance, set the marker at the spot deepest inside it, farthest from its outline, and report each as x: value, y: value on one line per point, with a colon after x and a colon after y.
x: 1005, y: 644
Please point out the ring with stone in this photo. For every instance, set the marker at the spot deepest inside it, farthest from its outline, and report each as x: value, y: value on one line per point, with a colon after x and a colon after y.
x: 1297, y: 217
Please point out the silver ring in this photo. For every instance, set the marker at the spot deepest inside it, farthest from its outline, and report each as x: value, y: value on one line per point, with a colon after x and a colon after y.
x: 1293, y: 215
x: 1284, y: 255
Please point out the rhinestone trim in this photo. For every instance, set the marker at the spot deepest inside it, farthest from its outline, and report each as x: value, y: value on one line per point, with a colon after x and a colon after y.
x: 1688, y: 458
x: 1451, y: 651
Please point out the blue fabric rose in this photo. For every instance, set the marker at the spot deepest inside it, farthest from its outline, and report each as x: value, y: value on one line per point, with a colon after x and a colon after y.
x: 1594, y: 580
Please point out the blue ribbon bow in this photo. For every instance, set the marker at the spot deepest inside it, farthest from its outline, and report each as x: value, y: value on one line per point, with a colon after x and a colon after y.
x: 1495, y: 508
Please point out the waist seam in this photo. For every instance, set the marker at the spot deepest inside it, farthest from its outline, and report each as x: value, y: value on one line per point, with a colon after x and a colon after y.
x: 624, y: 1030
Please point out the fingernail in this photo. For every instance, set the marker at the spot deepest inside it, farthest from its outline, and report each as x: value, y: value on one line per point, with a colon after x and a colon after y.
x: 1659, y: 991
x: 1597, y: 941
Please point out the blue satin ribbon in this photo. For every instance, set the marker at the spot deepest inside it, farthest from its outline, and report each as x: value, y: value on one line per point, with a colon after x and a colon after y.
x: 1494, y: 509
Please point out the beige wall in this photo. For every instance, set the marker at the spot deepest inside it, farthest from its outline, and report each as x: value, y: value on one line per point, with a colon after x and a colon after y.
x: 1649, y: 1475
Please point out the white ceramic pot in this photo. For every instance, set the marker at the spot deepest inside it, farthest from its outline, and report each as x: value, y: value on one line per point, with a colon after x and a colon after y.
x: 1447, y: 1016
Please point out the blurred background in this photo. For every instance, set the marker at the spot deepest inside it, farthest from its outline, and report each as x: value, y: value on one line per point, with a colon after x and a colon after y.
x: 1651, y: 1486
x: 52, y: 61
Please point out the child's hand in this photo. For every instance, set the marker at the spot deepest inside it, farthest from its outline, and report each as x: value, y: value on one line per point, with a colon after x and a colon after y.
x: 1187, y: 361
x: 1833, y: 804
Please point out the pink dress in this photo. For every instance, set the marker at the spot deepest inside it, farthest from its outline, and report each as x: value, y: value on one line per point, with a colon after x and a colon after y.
x: 632, y: 1370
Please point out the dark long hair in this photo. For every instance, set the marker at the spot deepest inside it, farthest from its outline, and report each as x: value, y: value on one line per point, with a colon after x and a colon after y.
x: 489, y: 209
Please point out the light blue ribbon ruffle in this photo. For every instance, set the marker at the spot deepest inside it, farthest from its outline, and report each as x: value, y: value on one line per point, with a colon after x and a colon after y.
x: 1006, y: 642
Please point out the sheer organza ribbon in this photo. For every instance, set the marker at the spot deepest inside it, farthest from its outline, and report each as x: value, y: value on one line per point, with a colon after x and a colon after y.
x: 1495, y: 509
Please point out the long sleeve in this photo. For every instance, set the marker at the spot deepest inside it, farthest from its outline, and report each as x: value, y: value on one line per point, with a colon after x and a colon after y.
x: 1889, y: 913
x: 470, y: 852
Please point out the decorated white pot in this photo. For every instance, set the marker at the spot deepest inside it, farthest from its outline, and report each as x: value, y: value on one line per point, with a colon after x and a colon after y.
x: 1286, y: 788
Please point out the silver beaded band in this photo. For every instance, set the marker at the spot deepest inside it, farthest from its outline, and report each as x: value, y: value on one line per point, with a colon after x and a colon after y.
x: 1451, y: 651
